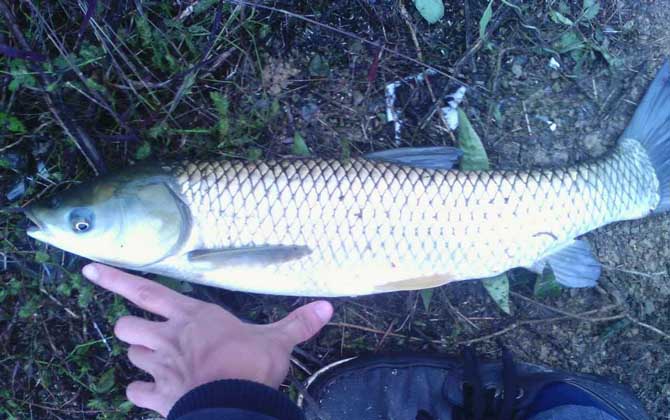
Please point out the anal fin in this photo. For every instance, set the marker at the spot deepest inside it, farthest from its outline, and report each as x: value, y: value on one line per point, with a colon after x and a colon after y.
x: 416, y: 283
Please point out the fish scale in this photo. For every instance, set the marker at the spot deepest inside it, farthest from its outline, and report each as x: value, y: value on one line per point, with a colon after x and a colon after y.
x: 418, y: 222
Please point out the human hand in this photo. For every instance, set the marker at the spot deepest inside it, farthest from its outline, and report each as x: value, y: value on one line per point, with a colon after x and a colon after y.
x: 199, y: 342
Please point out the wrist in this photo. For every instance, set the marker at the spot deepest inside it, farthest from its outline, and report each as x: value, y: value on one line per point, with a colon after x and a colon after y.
x: 237, y: 394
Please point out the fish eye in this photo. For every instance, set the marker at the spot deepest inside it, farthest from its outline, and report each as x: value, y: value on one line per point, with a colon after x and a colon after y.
x: 81, y: 220
x: 81, y: 226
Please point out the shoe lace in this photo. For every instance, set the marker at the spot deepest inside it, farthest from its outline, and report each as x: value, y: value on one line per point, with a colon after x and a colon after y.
x: 480, y: 403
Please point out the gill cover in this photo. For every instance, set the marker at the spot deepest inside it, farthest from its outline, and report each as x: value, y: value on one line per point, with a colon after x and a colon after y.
x: 155, y: 221
x: 132, y: 219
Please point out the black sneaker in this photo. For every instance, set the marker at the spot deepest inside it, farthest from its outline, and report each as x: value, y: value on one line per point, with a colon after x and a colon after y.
x: 435, y: 387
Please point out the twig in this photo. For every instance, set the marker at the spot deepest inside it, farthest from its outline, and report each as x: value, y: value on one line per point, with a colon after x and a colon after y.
x: 10, y: 145
x: 299, y: 364
x: 634, y: 272
x: 560, y: 311
x: 388, y: 331
x: 62, y: 410
x: 307, y: 356
x: 576, y: 317
x: 347, y: 34
x: 59, y: 303
x: 649, y: 327
x: 525, y: 113
x: 102, y: 336
x: 459, y: 315
x: 537, y: 321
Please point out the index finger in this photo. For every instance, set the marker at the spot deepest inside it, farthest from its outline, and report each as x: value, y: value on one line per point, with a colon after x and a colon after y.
x: 146, y: 294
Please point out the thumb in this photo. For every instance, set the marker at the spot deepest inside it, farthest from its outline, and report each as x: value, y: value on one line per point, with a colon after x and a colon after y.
x: 304, y: 322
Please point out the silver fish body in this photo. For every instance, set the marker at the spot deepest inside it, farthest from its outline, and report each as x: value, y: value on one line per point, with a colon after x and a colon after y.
x: 315, y: 227
x: 374, y: 226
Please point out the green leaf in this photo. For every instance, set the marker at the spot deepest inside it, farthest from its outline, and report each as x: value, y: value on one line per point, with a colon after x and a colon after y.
x: 299, y: 146
x: 125, y: 407
x: 564, y: 7
x: 144, y: 30
x: 41, y: 257
x: 157, y: 130
x: 569, y: 41
x: 85, y: 295
x: 318, y: 66
x: 29, y: 308
x: 498, y: 288
x: 20, y: 76
x: 203, y: 6
x: 221, y: 104
x: 14, y: 287
x: 15, y: 125
x: 611, y: 60
x: 558, y: 17
x: 426, y: 296
x: 116, y: 310
x: 14, y: 85
x: 546, y: 284
x: 431, y: 10
x: 90, y: 52
x: 254, y: 153
x: 92, y: 84
x: 474, y: 156
x: 143, y: 151
x: 590, y: 9
x: 486, y: 18
x: 105, y: 382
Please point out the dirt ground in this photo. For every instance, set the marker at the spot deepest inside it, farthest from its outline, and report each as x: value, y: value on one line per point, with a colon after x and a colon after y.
x: 319, y: 71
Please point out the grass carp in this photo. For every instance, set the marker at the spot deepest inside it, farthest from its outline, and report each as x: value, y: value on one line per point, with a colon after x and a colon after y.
x: 400, y: 219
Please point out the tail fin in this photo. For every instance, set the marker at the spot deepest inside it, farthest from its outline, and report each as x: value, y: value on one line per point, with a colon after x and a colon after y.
x: 651, y: 127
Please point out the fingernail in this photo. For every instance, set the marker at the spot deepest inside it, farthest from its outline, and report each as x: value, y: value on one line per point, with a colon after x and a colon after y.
x: 324, y: 310
x: 90, y: 271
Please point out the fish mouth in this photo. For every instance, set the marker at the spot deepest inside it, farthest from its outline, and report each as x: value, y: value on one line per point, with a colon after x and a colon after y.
x: 37, y: 227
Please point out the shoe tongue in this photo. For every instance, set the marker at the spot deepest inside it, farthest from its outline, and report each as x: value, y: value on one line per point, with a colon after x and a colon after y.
x: 491, y: 379
x: 452, y: 388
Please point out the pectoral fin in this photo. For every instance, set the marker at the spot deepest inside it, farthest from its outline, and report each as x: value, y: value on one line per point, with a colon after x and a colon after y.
x: 439, y: 157
x: 574, y: 265
x: 415, y: 283
x: 255, y: 256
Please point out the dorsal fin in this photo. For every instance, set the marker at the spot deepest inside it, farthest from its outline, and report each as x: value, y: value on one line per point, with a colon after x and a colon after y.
x: 438, y: 157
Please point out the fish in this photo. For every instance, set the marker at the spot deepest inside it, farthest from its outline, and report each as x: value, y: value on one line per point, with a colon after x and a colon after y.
x: 392, y: 220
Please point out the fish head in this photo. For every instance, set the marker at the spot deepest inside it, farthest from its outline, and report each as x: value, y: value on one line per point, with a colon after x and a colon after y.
x: 116, y: 220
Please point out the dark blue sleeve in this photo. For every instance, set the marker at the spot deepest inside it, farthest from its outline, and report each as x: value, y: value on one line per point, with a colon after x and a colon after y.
x: 234, y: 399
